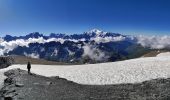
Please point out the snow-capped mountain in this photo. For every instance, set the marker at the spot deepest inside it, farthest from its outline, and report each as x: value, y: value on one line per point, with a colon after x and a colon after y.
x: 89, y: 47
x: 31, y: 35
x: 86, y: 35
x: 100, y: 33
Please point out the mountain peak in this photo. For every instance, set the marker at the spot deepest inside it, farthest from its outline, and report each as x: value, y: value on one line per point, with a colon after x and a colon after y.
x: 34, y: 35
x: 97, y: 31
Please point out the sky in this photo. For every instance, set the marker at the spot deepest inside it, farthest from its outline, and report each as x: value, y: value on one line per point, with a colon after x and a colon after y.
x: 148, y: 17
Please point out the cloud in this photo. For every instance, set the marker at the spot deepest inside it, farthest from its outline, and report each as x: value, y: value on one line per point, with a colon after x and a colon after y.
x: 32, y: 55
x: 9, y: 46
x: 5, y: 46
x: 94, y: 53
x: 154, y: 42
x: 70, y: 52
x: 108, y: 39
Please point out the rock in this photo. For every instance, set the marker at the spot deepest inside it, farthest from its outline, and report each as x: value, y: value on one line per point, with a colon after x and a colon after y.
x: 11, y: 91
x: 8, y: 80
x: 10, y: 96
x: 19, y: 85
x: 20, y: 98
x: 57, y: 77
x: 7, y: 98
x: 6, y: 61
x: 36, y: 83
x: 48, y: 83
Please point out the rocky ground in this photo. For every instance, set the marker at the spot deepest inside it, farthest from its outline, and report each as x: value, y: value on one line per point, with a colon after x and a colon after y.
x: 6, y: 61
x: 154, y: 53
x: 21, y: 86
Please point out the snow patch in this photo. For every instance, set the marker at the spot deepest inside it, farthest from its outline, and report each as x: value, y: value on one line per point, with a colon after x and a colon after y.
x: 165, y: 54
x: 128, y: 71
x: 55, y: 53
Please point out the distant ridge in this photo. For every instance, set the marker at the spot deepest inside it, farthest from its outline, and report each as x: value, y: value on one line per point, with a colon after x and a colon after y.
x: 94, y: 46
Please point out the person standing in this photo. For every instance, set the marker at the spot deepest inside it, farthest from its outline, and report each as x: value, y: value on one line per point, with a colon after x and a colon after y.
x: 29, y: 67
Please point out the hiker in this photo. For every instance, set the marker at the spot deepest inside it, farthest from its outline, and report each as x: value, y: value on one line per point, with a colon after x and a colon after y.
x: 29, y: 67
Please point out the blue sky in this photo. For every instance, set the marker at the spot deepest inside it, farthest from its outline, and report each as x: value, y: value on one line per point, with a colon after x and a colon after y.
x: 19, y: 17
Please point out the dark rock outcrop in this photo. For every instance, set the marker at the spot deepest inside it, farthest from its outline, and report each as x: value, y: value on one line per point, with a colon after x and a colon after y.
x: 6, y: 61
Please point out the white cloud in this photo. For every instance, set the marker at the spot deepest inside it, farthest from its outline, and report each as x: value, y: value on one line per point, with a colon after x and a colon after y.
x: 154, y: 42
x: 94, y: 53
x: 70, y: 52
x: 108, y: 39
x: 56, y: 40
x: 5, y: 46
x: 32, y: 55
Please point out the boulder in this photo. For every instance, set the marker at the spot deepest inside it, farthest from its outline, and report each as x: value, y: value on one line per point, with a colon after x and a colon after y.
x: 19, y: 85
x: 7, y: 98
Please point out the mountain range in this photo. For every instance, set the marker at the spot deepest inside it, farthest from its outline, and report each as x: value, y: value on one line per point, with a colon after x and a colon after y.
x: 86, y: 35
x: 89, y: 47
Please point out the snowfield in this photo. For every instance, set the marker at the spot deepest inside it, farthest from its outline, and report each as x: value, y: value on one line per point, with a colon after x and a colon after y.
x: 128, y: 71
x: 164, y: 54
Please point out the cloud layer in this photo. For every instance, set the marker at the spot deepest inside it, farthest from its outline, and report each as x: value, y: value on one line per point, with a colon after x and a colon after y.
x: 154, y: 42
x: 108, y: 39
x: 5, y: 46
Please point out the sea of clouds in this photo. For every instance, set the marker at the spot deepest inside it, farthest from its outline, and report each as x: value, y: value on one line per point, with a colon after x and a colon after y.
x: 154, y: 42
x: 5, y: 46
